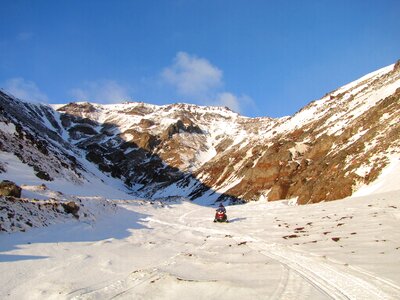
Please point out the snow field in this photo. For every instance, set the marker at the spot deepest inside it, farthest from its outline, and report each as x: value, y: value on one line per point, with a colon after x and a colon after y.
x: 345, y: 249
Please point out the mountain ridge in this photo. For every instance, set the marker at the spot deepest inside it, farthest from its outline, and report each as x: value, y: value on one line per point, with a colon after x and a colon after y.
x: 325, y: 151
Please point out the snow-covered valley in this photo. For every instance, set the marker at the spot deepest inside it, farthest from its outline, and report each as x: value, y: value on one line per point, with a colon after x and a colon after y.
x: 118, y: 201
x: 347, y: 249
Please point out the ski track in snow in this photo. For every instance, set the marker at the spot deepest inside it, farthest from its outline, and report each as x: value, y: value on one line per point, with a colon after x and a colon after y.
x: 119, y: 288
x: 288, y: 278
x: 296, y: 268
x: 290, y: 286
x: 334, y: 283
x: 186, y: 248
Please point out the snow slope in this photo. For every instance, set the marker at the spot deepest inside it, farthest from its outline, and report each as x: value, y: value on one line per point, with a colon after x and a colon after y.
x: 387, y: 181
x: 346, y: 249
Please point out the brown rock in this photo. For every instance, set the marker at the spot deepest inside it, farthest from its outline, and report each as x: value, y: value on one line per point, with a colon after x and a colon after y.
x: 71, y: 208
x: 9, y: 188
x: 145, y: 123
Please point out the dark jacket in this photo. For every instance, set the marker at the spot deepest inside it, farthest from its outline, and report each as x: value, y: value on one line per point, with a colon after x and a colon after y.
x: 221, y: 209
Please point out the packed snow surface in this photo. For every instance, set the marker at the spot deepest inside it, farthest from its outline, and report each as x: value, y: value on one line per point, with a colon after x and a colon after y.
x: 348, y: 249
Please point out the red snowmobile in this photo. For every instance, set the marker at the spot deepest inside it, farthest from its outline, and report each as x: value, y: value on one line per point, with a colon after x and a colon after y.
x: 220, y: 215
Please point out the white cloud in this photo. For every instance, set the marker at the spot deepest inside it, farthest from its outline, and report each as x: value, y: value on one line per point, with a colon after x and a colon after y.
x: 25, y: 90
x: 101, y: 91
x: 200, y: 81
x: 192, y: 76
x: 228, y: 100
x: 235, y: 103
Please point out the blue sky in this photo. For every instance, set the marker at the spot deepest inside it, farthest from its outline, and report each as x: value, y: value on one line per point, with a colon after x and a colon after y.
x: 260, y: 58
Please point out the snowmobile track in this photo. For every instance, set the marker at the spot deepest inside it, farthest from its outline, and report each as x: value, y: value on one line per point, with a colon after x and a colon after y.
x: 291, y: 286
x: 333, y: 282
x: 337, y: 284
x: 117, y: 288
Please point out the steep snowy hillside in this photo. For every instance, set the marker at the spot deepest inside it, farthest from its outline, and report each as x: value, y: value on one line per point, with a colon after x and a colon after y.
x: 151, y: 147
x: 34, y: 150
x: 326, y: 151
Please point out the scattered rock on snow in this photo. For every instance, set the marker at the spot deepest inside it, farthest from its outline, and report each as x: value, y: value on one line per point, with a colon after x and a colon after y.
x: 71, y: 208
x: 290, y: 236
x: 9, y: 188
x: 43, y: 175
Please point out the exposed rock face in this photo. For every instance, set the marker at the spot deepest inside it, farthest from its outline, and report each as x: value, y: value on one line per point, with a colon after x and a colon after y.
x: 71, y: 208
x: 323, y: 152
x: 9, y: 188
x: 344, y: 144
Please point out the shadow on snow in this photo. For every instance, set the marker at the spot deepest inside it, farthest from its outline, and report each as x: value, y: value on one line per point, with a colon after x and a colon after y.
x: 116, y: 226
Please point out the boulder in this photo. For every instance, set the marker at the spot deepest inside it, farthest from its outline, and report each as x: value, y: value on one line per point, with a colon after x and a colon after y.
x: 9, y: 188
x: 71, y: 208
x: 43, y: 175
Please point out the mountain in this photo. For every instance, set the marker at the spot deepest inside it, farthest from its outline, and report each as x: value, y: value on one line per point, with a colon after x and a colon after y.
x: 326, y: 151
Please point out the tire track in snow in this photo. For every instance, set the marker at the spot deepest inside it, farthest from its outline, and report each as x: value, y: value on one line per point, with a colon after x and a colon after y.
x: 115, y: 288
x: 336, y: 284
x: 311, y: 276
x: 291, y: 283
x: 290, y: 286
x: 384, y: 284
x: 391, y: 287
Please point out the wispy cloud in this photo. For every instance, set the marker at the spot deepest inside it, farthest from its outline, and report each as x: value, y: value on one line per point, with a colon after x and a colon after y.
x: 201, y: 81
x: 229, y: 100
x: 192, y: 76
x: 25, y: 90
x: 101, y: 91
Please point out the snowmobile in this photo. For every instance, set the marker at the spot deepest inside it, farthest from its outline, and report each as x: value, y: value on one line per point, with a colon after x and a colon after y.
x: 221, y: 217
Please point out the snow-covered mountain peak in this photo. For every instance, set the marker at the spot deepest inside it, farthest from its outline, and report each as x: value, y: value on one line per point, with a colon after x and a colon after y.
x: 205, y: 151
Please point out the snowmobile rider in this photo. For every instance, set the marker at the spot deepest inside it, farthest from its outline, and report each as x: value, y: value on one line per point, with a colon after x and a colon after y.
x: 221, y: 208
x: 220, y: 215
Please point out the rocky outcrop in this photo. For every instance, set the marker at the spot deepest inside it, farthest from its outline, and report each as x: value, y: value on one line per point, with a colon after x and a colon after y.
x: 146, y: 123
x: 81, y: 109
x: 9, y: 188
x: 180, y: 126
x: 71, y: 208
